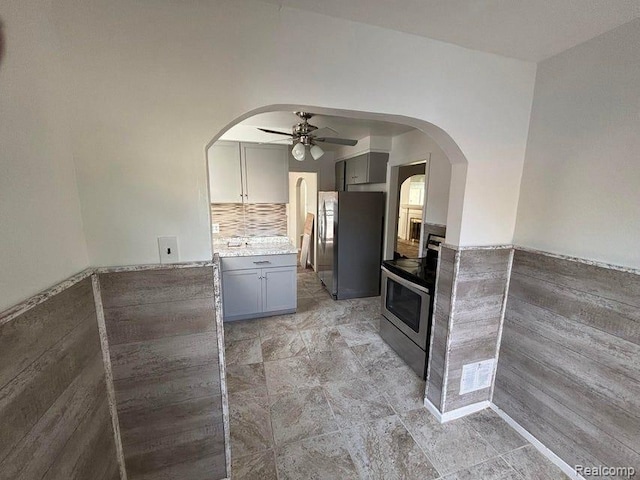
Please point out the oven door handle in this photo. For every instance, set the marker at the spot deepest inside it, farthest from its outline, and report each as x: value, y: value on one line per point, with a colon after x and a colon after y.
x: 404, y: 282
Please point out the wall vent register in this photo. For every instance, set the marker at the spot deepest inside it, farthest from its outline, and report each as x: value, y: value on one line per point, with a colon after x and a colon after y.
x: 476, y: 376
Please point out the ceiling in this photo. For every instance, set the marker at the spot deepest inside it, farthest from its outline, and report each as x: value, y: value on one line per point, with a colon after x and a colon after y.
x: 356, y: 129
x: 526, y: 29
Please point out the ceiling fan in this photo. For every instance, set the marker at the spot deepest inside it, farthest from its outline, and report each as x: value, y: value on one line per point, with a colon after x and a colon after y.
x: 306, y: 135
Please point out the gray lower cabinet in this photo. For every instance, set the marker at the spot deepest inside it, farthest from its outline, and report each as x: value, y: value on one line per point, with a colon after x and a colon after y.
x: 242, y: 293
x: 258, y: 286
x: 278, y: 289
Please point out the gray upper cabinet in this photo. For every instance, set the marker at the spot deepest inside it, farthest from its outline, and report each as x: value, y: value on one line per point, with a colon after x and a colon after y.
x: 225, y: 177
x: 369, y: 167
x: 249, y: 173
x: 266, y: 170
x: 340, y: 166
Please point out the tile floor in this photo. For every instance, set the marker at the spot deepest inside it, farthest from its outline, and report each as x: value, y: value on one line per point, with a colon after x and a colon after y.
x: 319, y: 395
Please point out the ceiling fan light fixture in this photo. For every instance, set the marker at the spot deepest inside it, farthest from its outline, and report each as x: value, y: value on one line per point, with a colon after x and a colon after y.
x: 298, y: 151
x: 316, y: 152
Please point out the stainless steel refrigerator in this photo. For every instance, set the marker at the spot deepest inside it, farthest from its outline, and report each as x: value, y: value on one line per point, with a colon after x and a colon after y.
x: 349, y: 242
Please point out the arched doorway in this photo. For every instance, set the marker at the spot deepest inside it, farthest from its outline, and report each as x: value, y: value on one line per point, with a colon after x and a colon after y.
x: 303, y: 199
x: 444, y: 141
x: 301, y: 207
x: 411, y: 199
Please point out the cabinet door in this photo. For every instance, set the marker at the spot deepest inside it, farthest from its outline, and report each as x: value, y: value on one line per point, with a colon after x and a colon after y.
x: 266, y: 173
x: 241, y: 293
x: 340, y: 176
x: 356, y: 169
x: 225, y: 179
x: 377, y: 167
x: 278, y: 289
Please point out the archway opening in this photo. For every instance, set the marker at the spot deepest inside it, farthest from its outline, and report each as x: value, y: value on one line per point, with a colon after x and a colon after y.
x: 411, y: 202
x: 450, y: 152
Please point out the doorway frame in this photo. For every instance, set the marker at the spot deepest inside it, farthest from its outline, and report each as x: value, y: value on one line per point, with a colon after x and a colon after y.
x: 393, y: 198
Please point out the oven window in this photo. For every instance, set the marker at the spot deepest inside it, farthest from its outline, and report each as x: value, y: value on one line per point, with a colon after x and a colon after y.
x: 404, y: 304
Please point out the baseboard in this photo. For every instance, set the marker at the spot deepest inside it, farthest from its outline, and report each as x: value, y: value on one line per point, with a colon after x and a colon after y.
x: 457, y: 413
x: 433, y: 410
x: 556, y: 460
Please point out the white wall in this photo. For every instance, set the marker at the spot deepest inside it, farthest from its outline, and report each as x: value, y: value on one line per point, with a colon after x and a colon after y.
x: 155, y: 81
x: 445, y: 191
x: 581, y: 182
x: 325, y: 167
x: 372, y: 143
x: 41, y: 238
x: 415, y: 146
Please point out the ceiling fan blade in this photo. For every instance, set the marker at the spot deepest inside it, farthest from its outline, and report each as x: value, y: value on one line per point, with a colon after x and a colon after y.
x: 324, y: 131
x: 279, y: 141
x: 337, y: 141
x: 266, y: 130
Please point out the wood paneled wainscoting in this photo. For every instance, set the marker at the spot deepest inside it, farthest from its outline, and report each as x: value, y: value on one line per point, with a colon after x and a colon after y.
x: 569, y: 368
x: 469, y: 307
x: 54, y: 411
x: 115, y: 373
x: 164, y: 352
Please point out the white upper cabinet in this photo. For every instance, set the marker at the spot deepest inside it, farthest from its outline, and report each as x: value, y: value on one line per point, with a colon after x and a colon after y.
x: 248, y: 172
x: 225, y: 176
x: 266, y: 173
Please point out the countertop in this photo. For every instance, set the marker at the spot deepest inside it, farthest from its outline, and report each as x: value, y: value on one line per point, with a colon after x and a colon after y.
x: 250, y: 246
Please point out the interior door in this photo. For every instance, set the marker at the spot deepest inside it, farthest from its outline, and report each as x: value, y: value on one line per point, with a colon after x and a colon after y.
x: 241, y: 292
x: 266, y: 173
x: 225, y: 179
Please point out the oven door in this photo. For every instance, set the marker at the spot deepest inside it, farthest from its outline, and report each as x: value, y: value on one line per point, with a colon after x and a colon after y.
x: 407, y: 306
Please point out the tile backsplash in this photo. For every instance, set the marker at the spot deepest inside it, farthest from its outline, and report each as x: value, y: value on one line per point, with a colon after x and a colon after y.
x: 249, y: 219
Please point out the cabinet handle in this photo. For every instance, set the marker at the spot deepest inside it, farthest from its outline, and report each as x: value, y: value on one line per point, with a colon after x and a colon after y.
x: 262, y: 262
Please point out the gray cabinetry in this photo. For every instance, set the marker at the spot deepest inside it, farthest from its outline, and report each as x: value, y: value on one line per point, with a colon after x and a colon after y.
x: 242, y: 293
x: 266, y: 173
x: 248, y: 172
x: 278, y: 289
x: 369, y: 167
x: 225, y: 177
x: 340, y: 184
x: 258, y: 286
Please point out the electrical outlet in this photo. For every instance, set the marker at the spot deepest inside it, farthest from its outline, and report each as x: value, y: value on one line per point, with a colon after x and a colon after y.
x: 215, y: 228
x: 168, y: 247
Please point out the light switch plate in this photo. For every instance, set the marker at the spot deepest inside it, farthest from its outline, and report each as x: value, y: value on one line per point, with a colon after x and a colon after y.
x: 215, y: 228
x: 168, y: 248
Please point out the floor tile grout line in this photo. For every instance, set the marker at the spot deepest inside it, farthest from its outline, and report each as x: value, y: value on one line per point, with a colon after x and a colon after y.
x: 424, y: 452
x: 342, y: 428
x: 508, y: 463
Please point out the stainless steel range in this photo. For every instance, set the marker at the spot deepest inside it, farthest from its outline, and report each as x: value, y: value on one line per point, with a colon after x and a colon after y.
x: 408, y: 285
